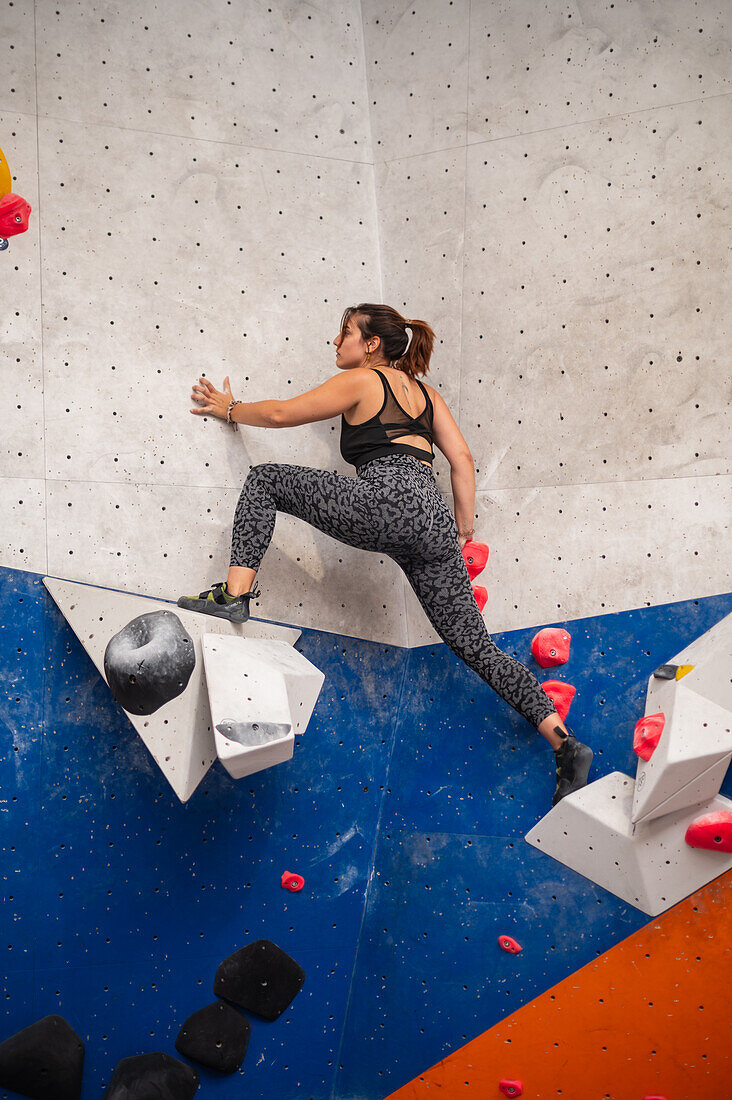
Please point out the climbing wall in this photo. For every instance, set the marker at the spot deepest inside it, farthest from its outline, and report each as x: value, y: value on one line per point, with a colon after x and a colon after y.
x: 547, y: 185
x: 404, y: 808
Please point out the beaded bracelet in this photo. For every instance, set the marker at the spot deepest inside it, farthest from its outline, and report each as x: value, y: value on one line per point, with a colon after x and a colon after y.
x: 233, y: 423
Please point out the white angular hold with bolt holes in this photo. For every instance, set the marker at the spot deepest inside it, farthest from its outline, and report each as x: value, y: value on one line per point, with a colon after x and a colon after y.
x: 178, y: 735
x: 648, y: 865
x: 690, y: 761
x: 261, y: 694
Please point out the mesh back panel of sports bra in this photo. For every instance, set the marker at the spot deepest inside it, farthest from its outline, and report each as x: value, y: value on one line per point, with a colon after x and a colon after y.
x: 362, y: 442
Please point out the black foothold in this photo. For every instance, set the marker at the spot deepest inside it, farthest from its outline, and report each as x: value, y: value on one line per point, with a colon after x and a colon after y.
x: 155, y: 1074
x: 260, y: 978
x: 216, y: 1036
x: 44, y: 1061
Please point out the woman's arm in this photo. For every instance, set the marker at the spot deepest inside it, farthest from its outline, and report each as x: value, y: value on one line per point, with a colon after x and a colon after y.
x: 337, y: 395
x: 257, y: 414
x: 462, y: 479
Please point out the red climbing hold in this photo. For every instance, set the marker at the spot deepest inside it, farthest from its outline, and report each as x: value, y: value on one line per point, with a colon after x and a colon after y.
x: 292, y: 882
x: 647, y: 735
x: 551, y: 646
x: 511, y: 1088
x: 14, y: 214
x: 476, y: 557
x: 509, y: 944
x: 561, y: 695
x: 481, y: 596
x: 654, y: 1097
x: 713, y: 831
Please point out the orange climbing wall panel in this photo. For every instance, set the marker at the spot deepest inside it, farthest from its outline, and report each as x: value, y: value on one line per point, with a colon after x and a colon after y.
x: 649, y: 1017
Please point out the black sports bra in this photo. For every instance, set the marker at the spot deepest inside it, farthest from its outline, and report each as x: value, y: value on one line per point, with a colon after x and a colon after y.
x: 362, y: 442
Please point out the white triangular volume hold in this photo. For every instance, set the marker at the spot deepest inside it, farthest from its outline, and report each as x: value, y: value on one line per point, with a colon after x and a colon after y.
x: 650, y: 866
x: 178, y: 734
x: 261, y: 693
x: 690, y: 761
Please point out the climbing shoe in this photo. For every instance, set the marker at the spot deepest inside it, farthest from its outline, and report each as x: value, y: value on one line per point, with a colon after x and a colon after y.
x: 573, y: 763
x: 219, y: 601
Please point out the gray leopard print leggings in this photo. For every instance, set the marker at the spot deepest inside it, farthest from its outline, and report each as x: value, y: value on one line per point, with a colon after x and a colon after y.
x: 392, y: 507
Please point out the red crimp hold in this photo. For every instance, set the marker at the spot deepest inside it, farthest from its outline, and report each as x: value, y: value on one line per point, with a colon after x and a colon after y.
x: 481, y: 595
x: 14, y: 214
x: 713, y: 831
x: 655, y: 1097
x: 509, y: 944
x: 647, y: 735
x: 551, y: 646
x: 292, y: 882
x: 476, y: 557
x: 511, y: 1088
x: 561, y: 695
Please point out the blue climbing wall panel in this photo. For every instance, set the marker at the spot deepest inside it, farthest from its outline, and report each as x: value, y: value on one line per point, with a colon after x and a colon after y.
x: 404, y: 807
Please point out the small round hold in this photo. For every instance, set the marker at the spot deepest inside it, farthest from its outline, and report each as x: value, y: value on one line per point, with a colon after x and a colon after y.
x: 291, y: 881
x: 509, y: 944
x: 3, y: 243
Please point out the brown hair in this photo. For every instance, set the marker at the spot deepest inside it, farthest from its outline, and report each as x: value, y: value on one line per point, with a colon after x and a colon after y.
x: 391, y: 327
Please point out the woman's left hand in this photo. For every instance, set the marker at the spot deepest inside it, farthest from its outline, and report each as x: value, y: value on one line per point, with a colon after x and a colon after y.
x: 214, y: 402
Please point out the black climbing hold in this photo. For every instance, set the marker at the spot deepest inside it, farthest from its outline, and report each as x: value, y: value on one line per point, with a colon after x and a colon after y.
x: 149, y: 661
x: 666, y: 672
x: 155, y: 1074
x: 44, y: 1061
x: 216, y: 1036
x: 261, y: 978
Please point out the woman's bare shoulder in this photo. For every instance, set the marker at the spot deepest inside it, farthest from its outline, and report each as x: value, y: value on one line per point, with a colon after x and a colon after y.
x: 431, y: 390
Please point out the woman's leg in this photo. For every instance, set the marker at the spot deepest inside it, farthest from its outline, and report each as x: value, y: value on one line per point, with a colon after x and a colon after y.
x: 349, y: 509
x: 406, y: 519
x: 239, y: 580
x: 396, y: 512
x: 443, y: 589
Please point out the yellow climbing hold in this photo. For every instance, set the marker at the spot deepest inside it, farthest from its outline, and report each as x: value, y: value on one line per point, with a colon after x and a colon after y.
x: 682, y: 670
x: 6, y: 180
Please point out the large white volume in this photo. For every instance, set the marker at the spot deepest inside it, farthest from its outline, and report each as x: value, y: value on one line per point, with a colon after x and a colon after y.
x: 650, y: 865
x: 177, y: 735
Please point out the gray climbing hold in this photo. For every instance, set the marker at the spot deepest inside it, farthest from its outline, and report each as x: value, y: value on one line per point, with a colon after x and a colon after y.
x: 149, y: 662
x: 253, y: 733
x: 666, y: 672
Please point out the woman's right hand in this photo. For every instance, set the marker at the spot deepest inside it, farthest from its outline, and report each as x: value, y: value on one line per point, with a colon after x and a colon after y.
x: 462, y: 539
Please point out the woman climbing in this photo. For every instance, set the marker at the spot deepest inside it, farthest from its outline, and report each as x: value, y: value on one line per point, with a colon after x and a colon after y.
x: 392, y: 506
